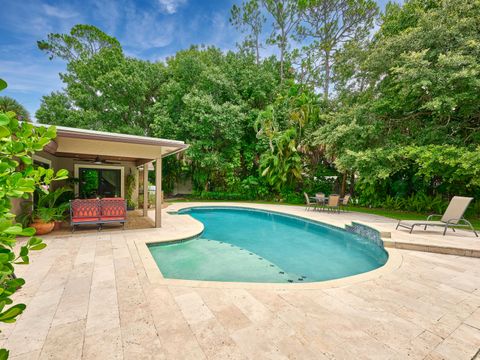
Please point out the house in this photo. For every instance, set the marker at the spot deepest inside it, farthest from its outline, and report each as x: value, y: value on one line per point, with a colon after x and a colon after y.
x: 103, y: 163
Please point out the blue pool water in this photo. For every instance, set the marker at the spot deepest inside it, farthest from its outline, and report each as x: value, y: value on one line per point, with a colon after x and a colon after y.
x: 248, y: 245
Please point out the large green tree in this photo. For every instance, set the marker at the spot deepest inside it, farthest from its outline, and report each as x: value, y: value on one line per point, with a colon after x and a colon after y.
x: 286, y: 16
x: 407, y: 94
x: 211, y: 100
x: 425, y: 64
x: 327, y: 25
x: 248, y: 18
x: 104, y: 89
x: 83, y: 41
x: 9, y: 104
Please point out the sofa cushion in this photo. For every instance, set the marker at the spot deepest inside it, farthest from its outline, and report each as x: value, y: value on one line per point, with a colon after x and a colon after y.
x: 112, y: 218
x: 85, y: 219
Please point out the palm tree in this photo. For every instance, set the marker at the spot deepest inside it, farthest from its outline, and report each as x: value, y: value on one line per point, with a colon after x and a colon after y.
x: 10, y: 104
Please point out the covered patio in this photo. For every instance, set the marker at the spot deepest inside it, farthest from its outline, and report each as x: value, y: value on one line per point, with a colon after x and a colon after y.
x: 119, y: 164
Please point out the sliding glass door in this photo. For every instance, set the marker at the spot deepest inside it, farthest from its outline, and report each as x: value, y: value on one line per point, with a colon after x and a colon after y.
x: 99, y: 182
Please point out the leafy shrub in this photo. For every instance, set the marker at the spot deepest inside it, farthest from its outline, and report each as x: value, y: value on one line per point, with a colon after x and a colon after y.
x: 18, y: 179
x: 419, y: 202
x: 255, y: 188
x: 151, y: 199
x: 214, y: 195
x: 292, y: 197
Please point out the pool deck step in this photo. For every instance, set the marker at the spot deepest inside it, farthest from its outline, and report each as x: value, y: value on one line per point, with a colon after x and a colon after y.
x: 432, y: 248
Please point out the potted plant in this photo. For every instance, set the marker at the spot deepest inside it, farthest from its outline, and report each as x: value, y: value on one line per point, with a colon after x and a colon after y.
x: 43, y: 221
x: 48, y: 210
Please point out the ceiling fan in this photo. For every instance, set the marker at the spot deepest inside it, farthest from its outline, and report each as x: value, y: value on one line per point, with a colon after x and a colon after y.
x: 99, y: 161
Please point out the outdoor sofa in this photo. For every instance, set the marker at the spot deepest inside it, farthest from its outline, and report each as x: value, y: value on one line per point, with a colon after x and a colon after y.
x: 453, y: 217
x: 97, y: 211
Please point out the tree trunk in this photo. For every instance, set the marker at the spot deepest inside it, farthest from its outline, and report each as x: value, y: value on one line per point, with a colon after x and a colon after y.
x: 344, y: 184
x: 282, y: 54
x: 352, y: 182
x: 326, y: 84
x: 257, y: 45
x: 281, y: 65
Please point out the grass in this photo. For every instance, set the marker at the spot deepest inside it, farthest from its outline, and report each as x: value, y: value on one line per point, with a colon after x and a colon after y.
x: 393, y: 214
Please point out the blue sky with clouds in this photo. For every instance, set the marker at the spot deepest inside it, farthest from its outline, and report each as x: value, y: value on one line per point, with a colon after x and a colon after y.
x: 148, y: 29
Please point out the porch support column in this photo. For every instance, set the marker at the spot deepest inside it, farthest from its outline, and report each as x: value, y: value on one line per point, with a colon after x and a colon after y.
x: 158, y: 192
x: 145, y: 189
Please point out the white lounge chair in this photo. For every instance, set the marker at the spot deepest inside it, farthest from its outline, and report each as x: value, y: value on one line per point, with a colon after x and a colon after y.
x: 453, y: 217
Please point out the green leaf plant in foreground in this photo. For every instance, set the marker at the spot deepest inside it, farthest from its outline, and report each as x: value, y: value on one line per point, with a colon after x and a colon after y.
x: 18, y: 180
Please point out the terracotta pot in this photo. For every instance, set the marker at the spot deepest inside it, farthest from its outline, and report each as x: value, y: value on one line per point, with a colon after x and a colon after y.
x: 42, y: 227
x: 58, y: 225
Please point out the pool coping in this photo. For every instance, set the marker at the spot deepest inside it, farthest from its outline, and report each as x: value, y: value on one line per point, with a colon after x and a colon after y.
x: 155, y: 275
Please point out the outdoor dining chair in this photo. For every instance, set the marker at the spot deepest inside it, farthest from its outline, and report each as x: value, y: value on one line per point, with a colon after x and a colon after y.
x: 320, y: 199
x: 344, y: 202
x: 333, y: 202
x: 310, y: 202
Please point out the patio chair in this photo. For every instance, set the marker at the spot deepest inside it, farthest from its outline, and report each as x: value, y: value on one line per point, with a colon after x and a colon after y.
x: 320, y: 198
x: 453, y: 217
x: 310, y: 202
x: 333, y: 202
x: 344, y: 202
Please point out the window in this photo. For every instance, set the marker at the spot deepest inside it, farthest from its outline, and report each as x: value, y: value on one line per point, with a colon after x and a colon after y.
x: 99, y: 182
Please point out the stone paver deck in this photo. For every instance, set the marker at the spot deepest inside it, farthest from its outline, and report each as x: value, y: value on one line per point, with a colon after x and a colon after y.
x: 89, y: 297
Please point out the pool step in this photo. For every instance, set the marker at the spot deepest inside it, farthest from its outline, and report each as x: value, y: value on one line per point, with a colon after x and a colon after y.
x: 290, y: 278
x: 414, y: 244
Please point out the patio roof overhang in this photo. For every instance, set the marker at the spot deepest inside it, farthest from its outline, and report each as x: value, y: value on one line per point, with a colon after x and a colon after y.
x: 83, y: 144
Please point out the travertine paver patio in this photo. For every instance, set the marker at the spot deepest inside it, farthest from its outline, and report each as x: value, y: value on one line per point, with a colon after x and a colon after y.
x: 89, y: 297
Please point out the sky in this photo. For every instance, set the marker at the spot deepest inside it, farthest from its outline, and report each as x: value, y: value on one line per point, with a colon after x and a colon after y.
x: 147, y: 29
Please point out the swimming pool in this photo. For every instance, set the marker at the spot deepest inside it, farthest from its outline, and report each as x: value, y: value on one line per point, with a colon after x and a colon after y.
x: 249, y: 245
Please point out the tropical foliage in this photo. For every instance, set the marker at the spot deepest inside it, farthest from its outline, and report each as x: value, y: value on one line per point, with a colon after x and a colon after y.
x: 8, y: 104
x: 387, y: 113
